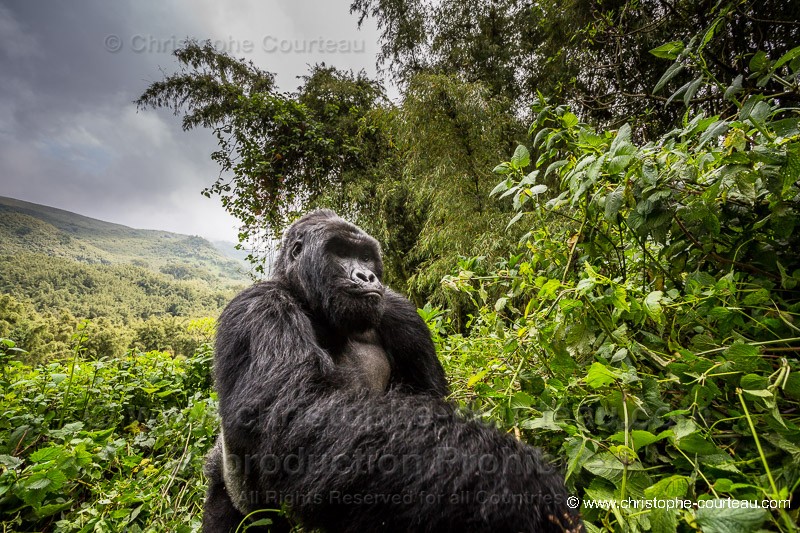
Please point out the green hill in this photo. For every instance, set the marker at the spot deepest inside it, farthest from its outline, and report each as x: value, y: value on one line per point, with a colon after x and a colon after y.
x: 26, y: 227
x: 58, y: 259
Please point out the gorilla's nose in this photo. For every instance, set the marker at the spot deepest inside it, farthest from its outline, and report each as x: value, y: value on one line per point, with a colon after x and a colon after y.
x: 365, y: 277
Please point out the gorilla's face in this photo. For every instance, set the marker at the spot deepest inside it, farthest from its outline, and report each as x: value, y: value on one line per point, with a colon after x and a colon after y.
x: 336, y: 269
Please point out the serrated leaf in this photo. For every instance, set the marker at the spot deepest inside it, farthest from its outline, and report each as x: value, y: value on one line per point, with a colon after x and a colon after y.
x: 502, y: 168
x: 46, y: 454
x: 599, y: 376
x: 668, y: 488
x: 568, y: 120
x: 521, y: 157
x: 741, y: 350
x: 718, y: 516
x: 521, y: 400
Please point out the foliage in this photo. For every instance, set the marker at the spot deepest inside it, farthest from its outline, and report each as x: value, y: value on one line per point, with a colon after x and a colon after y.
x: 49, y: 335
x: 449, y: 133
x: 278, y: 152
x: 593, y: 55
x: 114, y: 444
x: 648, y: 331
x: 125, y: 292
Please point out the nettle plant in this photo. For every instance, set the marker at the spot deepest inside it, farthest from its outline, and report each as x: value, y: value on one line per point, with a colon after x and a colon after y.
x: 650, y: 329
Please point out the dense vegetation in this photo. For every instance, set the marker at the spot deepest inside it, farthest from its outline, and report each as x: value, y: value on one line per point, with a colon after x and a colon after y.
x: 609, y: 265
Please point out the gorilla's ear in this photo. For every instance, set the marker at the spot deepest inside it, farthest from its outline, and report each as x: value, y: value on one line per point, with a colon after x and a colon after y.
x: 297, y: 247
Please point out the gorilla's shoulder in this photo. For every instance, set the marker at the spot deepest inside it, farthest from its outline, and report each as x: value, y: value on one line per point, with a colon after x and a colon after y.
x: 261, y: 296
x: 398, y: 306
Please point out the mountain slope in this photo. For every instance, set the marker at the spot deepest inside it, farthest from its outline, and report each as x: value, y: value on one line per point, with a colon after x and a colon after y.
x: 32, y: 228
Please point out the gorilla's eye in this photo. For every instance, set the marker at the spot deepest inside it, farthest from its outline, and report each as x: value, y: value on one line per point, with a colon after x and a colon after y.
x: 296, y: 248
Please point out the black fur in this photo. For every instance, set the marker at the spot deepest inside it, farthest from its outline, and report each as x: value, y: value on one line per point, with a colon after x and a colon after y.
x: 300, y: 430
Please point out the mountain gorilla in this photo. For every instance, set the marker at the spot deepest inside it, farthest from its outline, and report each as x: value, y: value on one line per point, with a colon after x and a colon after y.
x: 332, y: 405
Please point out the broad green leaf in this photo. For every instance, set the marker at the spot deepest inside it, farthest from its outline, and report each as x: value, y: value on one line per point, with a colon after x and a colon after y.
x: 718, y: 516
x: 546, y: 421
x: 692, y: 90
x: 785, y: 58
x: 521, y: 400
x: 476, y: 378
x: 759, y: 61
x: 613, y: 204
x: 652, y: 306
x: 568, y: 120
x: 599, y: 375
x: 501, y: 187
x: 46, y: 454
x: 741, y: 350
x: 521, y: 157
x: 670, y: 50
x: 668, y: 488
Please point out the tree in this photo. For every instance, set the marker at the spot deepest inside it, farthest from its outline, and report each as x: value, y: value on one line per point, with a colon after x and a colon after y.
x: 278, y: 152
x: 592, y: 55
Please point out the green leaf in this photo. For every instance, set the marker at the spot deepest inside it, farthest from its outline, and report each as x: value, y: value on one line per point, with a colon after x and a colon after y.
x: 734, y: 88
x: 521, y: 400
x: 521, y: 157
x: 718, y: 516
x: 46, y: 454
x: 502, y: 168
x: 546, y: 421
x: 670, y: 50
x: 691, y: 90
x: 569, y: 120
x: 501, y: 187
x: 613, y: 204
x: 599, y: 376
x: 668, y: 488
x: 623, y: 138
x: 671, y: 72
x: 695, y: 443
x: 759, y: 61
x: 741, y: 350
x: 652, y: 306
x: 785, y: 58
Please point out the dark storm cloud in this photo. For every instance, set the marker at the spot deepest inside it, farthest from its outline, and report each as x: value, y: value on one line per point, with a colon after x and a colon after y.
x: 70, y: 136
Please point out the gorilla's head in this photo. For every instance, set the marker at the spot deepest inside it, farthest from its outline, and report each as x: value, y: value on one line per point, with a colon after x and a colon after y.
x: 335, y: 269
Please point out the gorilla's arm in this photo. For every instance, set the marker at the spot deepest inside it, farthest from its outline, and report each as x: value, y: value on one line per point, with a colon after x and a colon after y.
x: 346, y: 460
x: 406, y: 339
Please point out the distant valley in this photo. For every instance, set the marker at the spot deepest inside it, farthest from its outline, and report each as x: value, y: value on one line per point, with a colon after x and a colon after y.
x: 58, y: 259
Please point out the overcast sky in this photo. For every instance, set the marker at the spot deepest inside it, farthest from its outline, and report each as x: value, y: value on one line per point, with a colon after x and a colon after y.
x: 70, y: 136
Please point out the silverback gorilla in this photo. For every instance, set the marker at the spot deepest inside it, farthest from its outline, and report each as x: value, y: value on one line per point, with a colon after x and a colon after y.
x: 332, y: 405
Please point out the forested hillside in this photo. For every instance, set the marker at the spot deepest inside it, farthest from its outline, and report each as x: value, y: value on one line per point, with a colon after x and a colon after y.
x: 595, y: 206
x: 136, y: 287
x: 33, y: 228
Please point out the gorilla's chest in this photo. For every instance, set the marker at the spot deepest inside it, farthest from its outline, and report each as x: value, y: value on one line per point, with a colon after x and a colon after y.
x: 364, y: 361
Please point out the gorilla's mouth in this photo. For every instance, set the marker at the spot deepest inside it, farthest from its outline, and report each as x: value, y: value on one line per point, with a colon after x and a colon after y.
x: 366, y: 293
